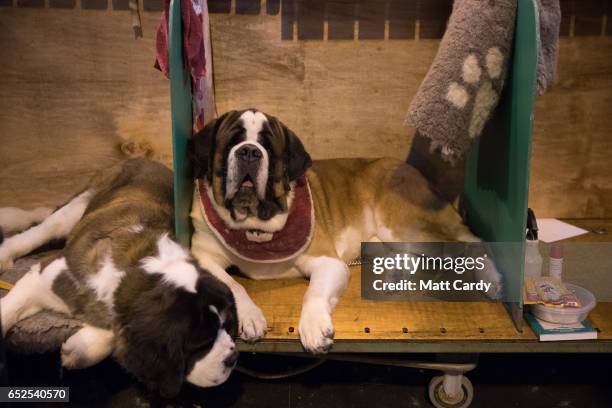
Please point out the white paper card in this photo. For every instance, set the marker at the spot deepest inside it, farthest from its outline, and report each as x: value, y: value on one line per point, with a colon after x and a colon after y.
x: 551, y: 230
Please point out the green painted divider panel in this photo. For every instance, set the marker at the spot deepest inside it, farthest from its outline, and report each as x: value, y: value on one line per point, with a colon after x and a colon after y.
x: 497, y: 173
x: 182, y: 126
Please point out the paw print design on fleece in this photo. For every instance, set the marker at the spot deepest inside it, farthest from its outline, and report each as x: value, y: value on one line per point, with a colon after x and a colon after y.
x: 467, y: 76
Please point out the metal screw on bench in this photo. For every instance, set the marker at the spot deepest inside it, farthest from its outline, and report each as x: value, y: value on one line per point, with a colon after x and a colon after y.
x: 291, y: 329
x: 404, y: 330
x: 442, y: 330
x: 481, y: 330
x: 367, y: 329
x: 600, y: 230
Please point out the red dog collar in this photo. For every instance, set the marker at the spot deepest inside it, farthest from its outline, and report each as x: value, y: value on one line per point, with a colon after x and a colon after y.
x: 283, y: 245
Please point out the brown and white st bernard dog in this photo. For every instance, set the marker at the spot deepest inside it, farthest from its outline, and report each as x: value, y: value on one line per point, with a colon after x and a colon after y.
x: 140, y: 295
x: 263, y: 205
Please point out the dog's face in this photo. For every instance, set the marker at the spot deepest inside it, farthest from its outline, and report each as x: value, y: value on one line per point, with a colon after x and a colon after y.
x: 169, y: 334
x: 249, y: 159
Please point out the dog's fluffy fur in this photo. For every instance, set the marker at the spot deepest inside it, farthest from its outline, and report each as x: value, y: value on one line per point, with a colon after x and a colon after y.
x: 140, y: 295
x: 354, y: 200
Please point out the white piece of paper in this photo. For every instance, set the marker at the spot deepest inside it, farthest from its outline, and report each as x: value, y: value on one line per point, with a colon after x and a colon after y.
x: 551, y: 230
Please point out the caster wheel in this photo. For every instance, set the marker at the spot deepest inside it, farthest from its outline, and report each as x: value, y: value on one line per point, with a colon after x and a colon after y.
x: 440, y: 399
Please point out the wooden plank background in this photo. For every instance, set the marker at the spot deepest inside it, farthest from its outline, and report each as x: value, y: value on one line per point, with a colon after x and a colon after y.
x: 75, y: 88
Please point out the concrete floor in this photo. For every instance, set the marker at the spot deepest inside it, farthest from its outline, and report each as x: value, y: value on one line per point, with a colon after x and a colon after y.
x: 508, y: 380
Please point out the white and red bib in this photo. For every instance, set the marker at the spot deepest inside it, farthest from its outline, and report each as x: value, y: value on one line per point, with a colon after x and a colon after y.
x: 283, y: 245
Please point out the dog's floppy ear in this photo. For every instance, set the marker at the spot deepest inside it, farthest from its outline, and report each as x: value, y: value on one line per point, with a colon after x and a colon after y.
x: 151, y: 342
x: 296, y: 157
x: 201, y: 148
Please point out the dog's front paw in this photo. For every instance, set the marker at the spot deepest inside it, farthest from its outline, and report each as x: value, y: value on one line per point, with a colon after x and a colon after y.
x: 316, y: 327
x: 86, y: 347
x: 6, y: 258
x: 74, y: 353
x: 490, y: 274
x: 73, y: 357
x: 252, y: 324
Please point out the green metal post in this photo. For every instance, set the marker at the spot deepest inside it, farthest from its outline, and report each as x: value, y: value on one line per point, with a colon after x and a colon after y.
x: 182, y: 126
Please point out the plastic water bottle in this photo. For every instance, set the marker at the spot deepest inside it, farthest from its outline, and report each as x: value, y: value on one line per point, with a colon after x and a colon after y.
x: 533, y: 259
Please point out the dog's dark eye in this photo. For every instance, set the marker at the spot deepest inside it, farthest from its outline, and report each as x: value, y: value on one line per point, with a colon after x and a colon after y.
x: 265, y: 134
x: 237, y: 136
x: 229, y: 323
x: 204, y: 333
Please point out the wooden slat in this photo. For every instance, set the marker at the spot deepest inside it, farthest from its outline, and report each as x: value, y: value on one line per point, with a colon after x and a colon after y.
x: 440, y: 346
x: 31, y: 3
x: 68, y: 4
x: 433, y: 15
x: 153, y: 5
x: 310, y: 19
x: 95, y: 4
x: 609, y: 17
x: 341, y: 19
x: 119, y: 4
x: 287, y: 19
x: 219, y: 6
x: 371, y: 15
x: 567, y: 9
x: 402, y: 19
x: 272, y: 7
x: 248, y: 6
x: 588, y: 19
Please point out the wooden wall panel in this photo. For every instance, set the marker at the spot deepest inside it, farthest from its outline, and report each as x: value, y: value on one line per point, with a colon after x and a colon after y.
x: 571, y: 170
x: 75, y: 86
x: 344, y: 98
x: 350, y: 99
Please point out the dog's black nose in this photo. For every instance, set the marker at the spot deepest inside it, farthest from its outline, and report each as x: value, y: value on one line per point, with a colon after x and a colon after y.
x: 249, y: 153
x: 231, y: 360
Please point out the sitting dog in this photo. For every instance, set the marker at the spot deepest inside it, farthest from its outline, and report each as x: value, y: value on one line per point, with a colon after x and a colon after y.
x: 261, y: 204
x: 140, y: 295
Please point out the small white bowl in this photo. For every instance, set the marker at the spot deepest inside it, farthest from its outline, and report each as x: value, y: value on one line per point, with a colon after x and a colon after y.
x: 567, y: 315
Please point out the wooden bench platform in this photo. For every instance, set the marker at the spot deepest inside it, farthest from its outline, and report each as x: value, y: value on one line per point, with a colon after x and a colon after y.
x: 369, y: 326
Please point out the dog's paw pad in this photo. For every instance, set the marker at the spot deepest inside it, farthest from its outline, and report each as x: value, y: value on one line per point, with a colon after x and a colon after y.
x: 252, y: 323
x: 316, y: 330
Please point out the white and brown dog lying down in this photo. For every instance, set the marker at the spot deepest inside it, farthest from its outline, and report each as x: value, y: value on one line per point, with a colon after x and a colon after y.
x: 262, y: 205
x: 141, y: 296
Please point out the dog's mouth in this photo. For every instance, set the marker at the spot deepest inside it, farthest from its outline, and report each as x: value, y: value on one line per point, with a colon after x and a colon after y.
x: 247, y: 182
x: 245, y: 202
